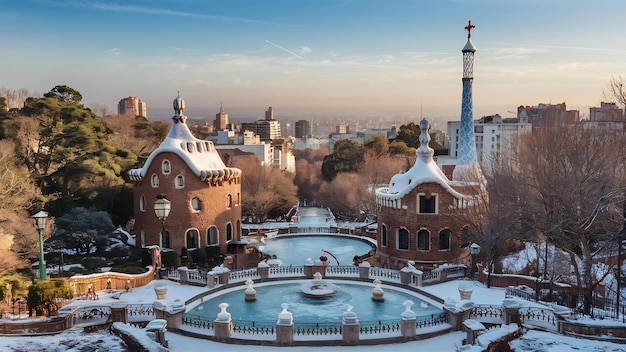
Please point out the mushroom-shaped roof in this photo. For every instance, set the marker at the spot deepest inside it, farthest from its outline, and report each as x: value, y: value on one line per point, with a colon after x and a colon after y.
x: 199, y: 155
x: 469, y: 46
x: 425, y: 170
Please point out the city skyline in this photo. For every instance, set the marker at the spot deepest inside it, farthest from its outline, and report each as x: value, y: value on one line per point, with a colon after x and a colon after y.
x: 334, y: 57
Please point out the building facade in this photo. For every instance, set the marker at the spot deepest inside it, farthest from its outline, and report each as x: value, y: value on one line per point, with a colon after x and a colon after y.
x: 420, y: 214
x: 132, y: 106
x: 205, y: 195
x: 221, y: 120
x: 302, y: 129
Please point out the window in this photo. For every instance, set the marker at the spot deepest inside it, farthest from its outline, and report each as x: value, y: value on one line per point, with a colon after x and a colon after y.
x: 143, y: 237
x: 229, y: 232
x: 192, y: 238
x: 155, y: 181
x: 423, y: 240
x: 166, y: 167
x: 403, y: 239
x: 229, y: 201
x: 165, y: 239
x: 212, y: 238
x: 383, y: 236
x: 427, y: 205
x: 142, y: 203
x: 180, y: 181
x: 195, y: 203
x: 444, y: 239
x: 190, y: 147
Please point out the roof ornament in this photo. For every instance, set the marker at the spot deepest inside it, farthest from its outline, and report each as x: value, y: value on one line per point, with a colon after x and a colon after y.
x: 179, y: 107
x: 469, y: 28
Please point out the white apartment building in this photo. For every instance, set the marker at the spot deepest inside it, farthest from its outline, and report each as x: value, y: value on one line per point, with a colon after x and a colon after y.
x: 492, y: 137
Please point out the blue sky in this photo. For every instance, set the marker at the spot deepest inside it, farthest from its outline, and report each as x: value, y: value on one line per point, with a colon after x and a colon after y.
x: 389, y: 56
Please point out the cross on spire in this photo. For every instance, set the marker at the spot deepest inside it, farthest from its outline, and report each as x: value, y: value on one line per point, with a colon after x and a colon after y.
x: 469, y: 28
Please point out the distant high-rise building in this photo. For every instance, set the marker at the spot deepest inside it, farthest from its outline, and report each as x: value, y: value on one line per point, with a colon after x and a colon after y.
x: 132, y: 106
x: 267, y: 130
x: 221, y: 119
x: 342, y: 128
x: 547, y: 115
x: 269, y: 114
x: 607, y: 112
x: 303, y: 129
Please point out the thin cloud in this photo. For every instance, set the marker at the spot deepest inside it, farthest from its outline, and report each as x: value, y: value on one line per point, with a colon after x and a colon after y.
x: 103, y: 6
x: 286, y: 50
x: 305, y: 50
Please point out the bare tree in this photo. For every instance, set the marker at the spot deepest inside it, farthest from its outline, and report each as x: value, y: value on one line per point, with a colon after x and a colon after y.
x: 615, y: 91
x: 14, y: 97
x: 566, y: 178
x: 18, y: 238
x: 100, y: 109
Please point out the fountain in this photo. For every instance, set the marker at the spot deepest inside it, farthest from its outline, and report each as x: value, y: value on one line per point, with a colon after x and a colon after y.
x: 317, y: 288
x: 377, y: 292
x: 250, y: 293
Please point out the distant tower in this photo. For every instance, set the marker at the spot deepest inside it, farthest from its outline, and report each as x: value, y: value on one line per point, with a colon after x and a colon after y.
x: 221, y: 119
x: 467, y: 168
x: 269, y: 114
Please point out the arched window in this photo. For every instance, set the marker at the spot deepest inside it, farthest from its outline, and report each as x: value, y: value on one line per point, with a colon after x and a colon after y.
x: 212, y: 236
x: 403, y: 239
x: 155, y: 180
x: 383, y: 235
x: 166, y: 168
x: 165, y: 239
x: 142, y: 203
x: 229, y: 201
x: 444, y: 239
x: 195, y: 204
x: 229, y: 232
x: 192, y: 239
x: 180, y: 181
x: 423, y: 240
x: 190, y: 147
x: 142, y: 235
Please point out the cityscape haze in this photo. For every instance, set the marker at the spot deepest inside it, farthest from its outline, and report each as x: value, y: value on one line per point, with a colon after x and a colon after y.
x: 315, y: 59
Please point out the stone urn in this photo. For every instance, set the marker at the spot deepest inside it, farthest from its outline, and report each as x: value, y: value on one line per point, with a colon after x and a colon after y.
x: 161, y: 292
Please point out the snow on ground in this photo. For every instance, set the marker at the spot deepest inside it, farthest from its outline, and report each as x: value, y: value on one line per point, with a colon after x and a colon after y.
x: 75, y: 340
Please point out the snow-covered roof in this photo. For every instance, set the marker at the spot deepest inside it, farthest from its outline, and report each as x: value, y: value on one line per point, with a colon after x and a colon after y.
x: 200, y: 156
x: 425, y: 170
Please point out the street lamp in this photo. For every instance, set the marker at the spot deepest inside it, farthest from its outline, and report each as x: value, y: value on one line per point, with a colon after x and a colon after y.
x: 40, y: 224
x: 474, y: 250
x: 162, y: 208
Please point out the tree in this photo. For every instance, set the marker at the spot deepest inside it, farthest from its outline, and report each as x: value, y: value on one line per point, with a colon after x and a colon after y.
x: 308, y: 176
x: 615, y: 91
x: 14, y: 98
x: 409, y: 134
x: 18, y: 194
x: 65, y: 94
x: 346, y: 157
x: 67, y: 149
x: 566, y: 180
x: 264, y: 189
x: 84, y: 230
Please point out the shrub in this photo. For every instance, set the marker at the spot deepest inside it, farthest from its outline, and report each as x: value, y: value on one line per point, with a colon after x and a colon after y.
x: 169, y: 259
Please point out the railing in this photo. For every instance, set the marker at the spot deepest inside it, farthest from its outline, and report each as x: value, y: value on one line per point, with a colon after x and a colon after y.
x: 286, y: 271
x: 314, y: 230
x: 456, y: 272
x: 385, y: 274
x: 313, y: 329
x: 488, y: 314
x: 538, y: 317
x: 523, y: 292
x: 431, y: 276
x: 342, y: 270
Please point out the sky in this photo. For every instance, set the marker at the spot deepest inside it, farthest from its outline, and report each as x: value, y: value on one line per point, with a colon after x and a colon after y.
x: 331, y: 57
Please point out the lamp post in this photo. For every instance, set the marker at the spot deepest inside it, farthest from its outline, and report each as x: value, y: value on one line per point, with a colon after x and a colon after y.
x: 474, y: 250
x: 162, y: 208
x: 40, y: 224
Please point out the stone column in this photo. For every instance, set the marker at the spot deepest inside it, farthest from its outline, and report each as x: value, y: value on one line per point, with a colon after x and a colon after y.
x: 223, y: 277
x: 511, y: 307
x: 119, y: 312
x: 364, y: 270
x: 223, y: 323
x: 350, y: 327
x: 284, y: 326
x: 408, y: 321
x: 264, y: 270
x: 173, y: 314
x: 210, y: 279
